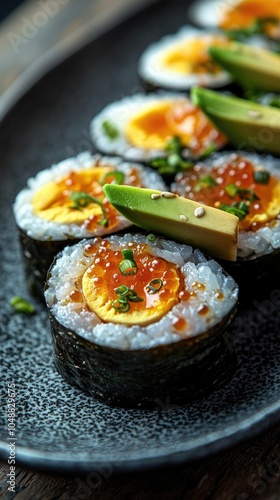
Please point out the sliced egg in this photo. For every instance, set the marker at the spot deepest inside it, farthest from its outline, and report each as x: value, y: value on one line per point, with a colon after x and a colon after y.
x: 141, y: 297
x: 244, y: 184
x: 67, y: 200
x: 238, y: 14
x: 143, y: 125
x: 181, y: 60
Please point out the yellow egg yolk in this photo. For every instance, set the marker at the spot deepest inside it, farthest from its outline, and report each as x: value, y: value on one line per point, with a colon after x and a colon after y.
x: 192, y: 56
x: 210, y: 187
x: 247, y: 12
x: 55, y: 201
x: 156, y: 283
x: 155, y: 124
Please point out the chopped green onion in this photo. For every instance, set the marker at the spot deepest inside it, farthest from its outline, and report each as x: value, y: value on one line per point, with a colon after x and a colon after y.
x: 82, y: 199
x: 121, y: 306
x: 261, y: 176
x: 128, y: 254
x: 174, y: 145
x: 243, y: 206
x: 208, y: 151
x: 256, y: 28
x: 128, y: 267
x: 231, y: 190
x: 115, y: 174
x: 122, y: 290
x: 110, y: 129
x: 233, y: 210
x: 133, y: 297
x: 174, y: 160
x: 125, y: 295
x: 205, y: 182
x: 154, y: 286
x: 151, y: 237
x: 247, y: 194
x: 21, y: 305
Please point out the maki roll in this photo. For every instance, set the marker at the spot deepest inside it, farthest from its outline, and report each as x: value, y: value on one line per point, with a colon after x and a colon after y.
x: 180, y: 60
x: 140, y: 127
x: 241, y: 18
x: 66, y: 203
x: 138, y: 319
x: 248, y: 186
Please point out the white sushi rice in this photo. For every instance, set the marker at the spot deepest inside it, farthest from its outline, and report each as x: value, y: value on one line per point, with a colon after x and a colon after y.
x: 44, y: 230
x: 119, y: 113
x: 151, y: 70
x: 252, y: 244
x: 73, y: 263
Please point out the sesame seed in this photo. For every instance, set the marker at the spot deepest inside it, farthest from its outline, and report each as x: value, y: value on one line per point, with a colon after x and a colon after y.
x: 252, y: 113
x: 199, y: 211
x: 183, y: 217
x: 167, y: 194
x: 155, y: 196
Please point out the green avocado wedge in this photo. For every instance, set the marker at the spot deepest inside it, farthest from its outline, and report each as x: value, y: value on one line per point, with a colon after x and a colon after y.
x: 212, y: 230
x: 252, y: 67
x: 247, y: 124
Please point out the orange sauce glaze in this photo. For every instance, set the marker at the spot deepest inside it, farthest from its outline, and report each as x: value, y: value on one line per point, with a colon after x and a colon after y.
x: 107, y: 277
x: 238, y: 171
x: 76, y: 181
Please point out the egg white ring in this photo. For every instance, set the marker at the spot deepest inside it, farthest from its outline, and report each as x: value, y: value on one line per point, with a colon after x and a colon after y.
x: 119, y: 113
x: 151, y: 70
x: 42, y: 229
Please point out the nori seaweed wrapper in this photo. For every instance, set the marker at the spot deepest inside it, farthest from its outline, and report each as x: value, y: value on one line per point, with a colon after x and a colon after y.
x: 37, y: 257
x: 153, y: 378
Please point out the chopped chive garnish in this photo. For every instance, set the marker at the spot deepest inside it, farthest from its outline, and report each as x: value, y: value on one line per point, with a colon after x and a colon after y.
x: 256, y: 28
x: 247, y: 194
x: 125, y: 295
x: 208, y: 151
x: 174, y: 145
x: 241, y: 214
x: 128, y: 254
x: 121, y: 305
x: 82, y: 200
x: 261, y: 176
x: 21, y: 305
x: 128, y: 265
x: 243, y: 206
x: 154, y: 286
x: 117, y: 176
x: 231, y: 190
x: 110, y: 129
x: 205, y: 182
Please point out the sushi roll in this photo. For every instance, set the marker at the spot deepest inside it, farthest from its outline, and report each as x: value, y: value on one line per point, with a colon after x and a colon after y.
x: 242, y: 18
x: 137, y: 319
x: 248, y: 186
x: 180, y: 60
x: 66, y: 203
x: 139, y: 127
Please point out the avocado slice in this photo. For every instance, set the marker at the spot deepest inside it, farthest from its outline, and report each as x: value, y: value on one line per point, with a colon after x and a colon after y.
x: 252, y: 67
x: 211, y: 230
x: 247, y: 124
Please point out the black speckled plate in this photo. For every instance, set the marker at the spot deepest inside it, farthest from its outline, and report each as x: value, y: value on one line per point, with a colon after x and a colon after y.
x: 57, y: 427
